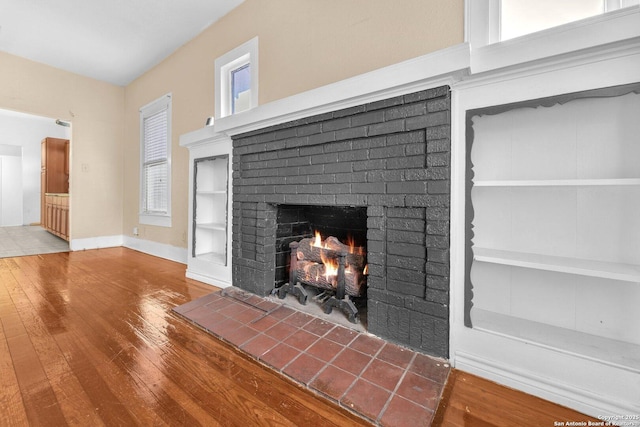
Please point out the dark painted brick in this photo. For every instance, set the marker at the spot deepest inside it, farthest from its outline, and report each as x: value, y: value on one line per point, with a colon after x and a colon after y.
x: 439, y: 146
x: 386, y: 127
x: 437, y: 159
x: 440, y: 104
x: 391, y: 200
x: 405, y: 288
x: 407, y: 187
x: 406, y: 275
x: 438, y: 132
x: 437, y: 173
x: 352, y: 199
x: 405, y: 262
x: 285, y: 134
x: 406, y: 237
x: 438, y: 187
x: 415, y: 149
x: 309, y: 129
x: 324, y: 158
x: 438, y: 119
x: 350, y: 156
x: 311, y: 150
x: 338, y: 167
x: 414, y: 137
x: 350, y: 111
x: 373, y: 142
x: 327, y: 200
x: 351, y: 177
x: 418, y: 122
x: 376, y: 164
x: 336, y: 124
x: 337, y: 147
x: 352, y: 133
x: 428, y: 307
x: 405, y: 111
x: 406, y: 224
x: 405, y: 213
x: 385, y: 152
x: 435, y: 269
x: 384, y: 176
x: 438, y: 228
x: 321, y: 138
x: 438, y: 255
x: 438, y: 242
x: 437, y: 296
x: 385, y: 103
x: 341, y: 188
x: 367, y: 118
x: 438, y: 282
x: 406, y: 162
x: 368, y: 188
x: 406, y: 249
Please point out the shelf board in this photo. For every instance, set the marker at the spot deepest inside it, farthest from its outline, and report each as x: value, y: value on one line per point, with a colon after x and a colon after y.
x: 613, y: 352
x: 210, y: 192
x: 213, y: 226
x: 215, y: 257
x: 607, y: 270
x: 557, y: 182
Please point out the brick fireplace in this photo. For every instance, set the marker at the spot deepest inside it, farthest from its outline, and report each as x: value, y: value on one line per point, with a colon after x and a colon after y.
x: 387, y: 160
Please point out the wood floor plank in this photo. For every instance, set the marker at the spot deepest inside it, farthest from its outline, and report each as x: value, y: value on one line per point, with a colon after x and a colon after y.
x: 13, y: 412
x: 105, y: 347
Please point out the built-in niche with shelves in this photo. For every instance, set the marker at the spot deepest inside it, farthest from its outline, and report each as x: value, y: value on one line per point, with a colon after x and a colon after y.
x: 210, y: 209
x: 553, y: 223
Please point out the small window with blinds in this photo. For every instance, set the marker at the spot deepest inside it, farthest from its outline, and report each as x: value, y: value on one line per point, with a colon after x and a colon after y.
x: 155, y: 162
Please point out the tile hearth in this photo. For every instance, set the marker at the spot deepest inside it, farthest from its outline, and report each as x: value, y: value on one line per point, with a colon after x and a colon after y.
x: 384, y: 383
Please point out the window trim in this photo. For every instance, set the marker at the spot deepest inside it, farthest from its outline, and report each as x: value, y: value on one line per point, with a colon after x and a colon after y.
x: 482, y: 26
x: 483, y: 21
x: 146, y: 217
x: 247, y: 53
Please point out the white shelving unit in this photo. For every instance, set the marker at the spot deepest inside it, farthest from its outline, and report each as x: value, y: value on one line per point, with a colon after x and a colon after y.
x: 211, y: 208
x: 210, y: 199
x: 556, y: 223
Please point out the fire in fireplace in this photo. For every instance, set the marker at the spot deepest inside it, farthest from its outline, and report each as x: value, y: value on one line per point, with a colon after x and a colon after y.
x: 335, y: 268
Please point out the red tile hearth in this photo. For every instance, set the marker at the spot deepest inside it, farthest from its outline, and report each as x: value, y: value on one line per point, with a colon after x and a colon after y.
x: 384, y: 383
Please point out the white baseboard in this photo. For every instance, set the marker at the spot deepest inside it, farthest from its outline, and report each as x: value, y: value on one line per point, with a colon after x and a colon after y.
x: 161, y: 250
x: 95, y: 243
x: 585, y: 401
x: 207, y: 279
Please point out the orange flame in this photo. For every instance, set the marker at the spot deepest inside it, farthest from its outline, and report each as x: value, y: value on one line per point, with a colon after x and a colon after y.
x: 366, y: 270
x: 318, y: 240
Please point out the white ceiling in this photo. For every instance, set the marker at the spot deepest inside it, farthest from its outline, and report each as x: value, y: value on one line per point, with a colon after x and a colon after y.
x: 115, y: 41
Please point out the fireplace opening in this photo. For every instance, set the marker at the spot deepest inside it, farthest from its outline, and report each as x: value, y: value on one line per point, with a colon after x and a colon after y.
x: 321, y: 257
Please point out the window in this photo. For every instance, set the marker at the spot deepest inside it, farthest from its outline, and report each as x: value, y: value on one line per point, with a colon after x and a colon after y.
x: 520, y: 17
x: 237, y: 80
x: 493, y: 21
x: 155, y: 162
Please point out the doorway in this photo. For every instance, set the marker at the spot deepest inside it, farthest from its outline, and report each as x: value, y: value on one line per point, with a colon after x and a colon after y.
x: 21, y: 135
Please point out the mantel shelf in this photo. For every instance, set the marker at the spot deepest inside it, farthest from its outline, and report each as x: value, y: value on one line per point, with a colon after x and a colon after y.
x: 607, y: 270
x: 557, y: 182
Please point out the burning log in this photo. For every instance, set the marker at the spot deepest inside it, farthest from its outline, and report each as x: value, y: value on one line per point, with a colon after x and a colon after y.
x: 310, y: 250
x: 322, y: 276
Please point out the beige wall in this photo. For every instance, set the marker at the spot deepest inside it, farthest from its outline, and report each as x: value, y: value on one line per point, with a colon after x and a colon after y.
x: 303, y: 44
x: 96, y: 112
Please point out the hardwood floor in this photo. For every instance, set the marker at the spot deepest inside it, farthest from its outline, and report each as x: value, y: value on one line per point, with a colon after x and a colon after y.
x: 88, y: 338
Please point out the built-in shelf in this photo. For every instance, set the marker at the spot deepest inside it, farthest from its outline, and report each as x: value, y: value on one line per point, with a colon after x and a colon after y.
x: 609, y: 351
x: 607, y: 270
x: 213, y: 226
x: 214, y: 257
x: 557, y: 182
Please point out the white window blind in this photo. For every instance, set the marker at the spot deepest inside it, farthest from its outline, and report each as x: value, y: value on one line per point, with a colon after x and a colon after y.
x: 156, y: 159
